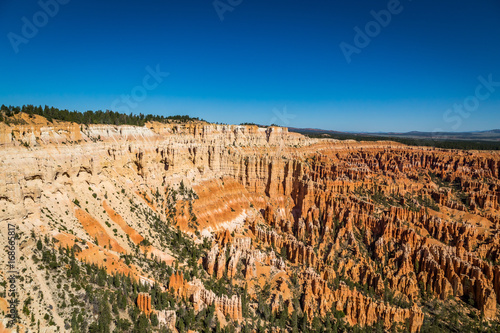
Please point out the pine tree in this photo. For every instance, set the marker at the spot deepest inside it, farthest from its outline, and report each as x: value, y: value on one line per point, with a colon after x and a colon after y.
x: 154, y: 319
x: 295, y: 321
x: 104, y: 319
x: 142, y: 324
x: 304, y: 323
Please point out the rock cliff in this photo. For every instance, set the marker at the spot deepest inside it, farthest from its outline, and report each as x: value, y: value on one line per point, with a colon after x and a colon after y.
x: 272, y: 220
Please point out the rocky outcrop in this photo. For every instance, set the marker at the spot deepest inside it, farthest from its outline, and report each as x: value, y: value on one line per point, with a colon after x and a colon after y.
x: 229, y: 306
x: 364, y: 311
x: 359, y: 309
x: 201, y: 297
x: 144, y: 303
x: 167, y: 319
x: 239, y: 252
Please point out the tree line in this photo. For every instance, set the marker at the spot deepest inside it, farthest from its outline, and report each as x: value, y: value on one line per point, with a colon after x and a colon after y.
x: 91, y: 117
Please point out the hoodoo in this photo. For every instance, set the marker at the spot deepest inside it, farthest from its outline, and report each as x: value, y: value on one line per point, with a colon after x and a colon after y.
x: 246, y: 227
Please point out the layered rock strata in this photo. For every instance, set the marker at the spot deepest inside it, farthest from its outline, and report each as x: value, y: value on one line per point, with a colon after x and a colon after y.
x: 366, y: 228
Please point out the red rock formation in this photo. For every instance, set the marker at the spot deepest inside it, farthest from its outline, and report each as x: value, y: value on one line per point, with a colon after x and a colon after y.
x: 359, y: 309
x: 176, y: 283
x: 196, y: 292
x: 364, y: 311
x: 144, y: 303
x: 378, y: 214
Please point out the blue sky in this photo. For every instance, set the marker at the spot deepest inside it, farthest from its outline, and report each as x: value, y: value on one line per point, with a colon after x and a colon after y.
x: 266, y: 61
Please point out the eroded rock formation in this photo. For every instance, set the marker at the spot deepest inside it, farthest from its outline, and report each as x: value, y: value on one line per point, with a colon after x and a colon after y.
x: 371, y: 229
x: 144, y: 303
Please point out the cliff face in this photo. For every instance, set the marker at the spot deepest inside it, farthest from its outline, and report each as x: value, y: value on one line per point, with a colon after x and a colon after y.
x: 144, y: 303
x: 371, y: 229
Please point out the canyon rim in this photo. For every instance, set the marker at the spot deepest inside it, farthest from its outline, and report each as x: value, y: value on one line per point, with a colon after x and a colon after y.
x: 195, y: 226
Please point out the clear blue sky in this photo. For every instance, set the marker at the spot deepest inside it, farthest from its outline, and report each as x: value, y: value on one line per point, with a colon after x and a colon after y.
x: 264, y: 57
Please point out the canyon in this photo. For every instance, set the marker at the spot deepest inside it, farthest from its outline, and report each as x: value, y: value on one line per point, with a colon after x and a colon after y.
x: 250, y: 226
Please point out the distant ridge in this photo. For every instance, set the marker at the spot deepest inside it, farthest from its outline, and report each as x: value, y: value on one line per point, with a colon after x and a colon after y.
x: 487, y: 135
x: 476, y: 140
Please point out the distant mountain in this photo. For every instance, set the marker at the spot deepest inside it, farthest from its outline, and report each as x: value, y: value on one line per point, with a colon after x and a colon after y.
x: 489, y: 135
x: 478, y: 140
x: 314, y: 130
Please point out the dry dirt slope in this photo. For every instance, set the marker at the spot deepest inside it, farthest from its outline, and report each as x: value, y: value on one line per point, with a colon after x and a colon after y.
x: 243, y: 227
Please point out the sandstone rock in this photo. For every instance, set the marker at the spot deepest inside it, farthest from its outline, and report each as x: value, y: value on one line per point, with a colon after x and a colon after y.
x: 362, y: 211
x: 144, y: 303
x: 167, y: 318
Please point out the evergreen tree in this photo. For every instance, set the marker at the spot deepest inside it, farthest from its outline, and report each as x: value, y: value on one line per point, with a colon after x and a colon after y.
x: 104, y: 319
x: 142, y: 324
x: 154, y: 319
